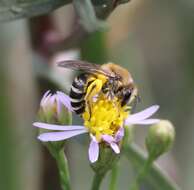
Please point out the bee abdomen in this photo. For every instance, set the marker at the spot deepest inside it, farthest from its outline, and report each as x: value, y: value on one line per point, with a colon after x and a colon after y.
x: 77, y: 93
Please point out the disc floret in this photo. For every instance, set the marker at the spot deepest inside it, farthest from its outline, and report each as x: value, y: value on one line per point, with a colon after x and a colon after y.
x: 105, y: 117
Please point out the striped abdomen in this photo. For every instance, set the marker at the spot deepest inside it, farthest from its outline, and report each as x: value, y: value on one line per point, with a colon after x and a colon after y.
x: 77, y: 93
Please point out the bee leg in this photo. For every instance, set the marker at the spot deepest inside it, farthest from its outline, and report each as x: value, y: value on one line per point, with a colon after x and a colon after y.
x: 93, y: 89
x: 135, y: 98
x: 88, y: 106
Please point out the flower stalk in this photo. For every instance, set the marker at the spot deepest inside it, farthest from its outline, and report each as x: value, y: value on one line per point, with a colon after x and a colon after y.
x: 97, y: 180
x: 143, y: 172
x: 158, y: 141
x: 155, y: 177
x: 114, y: 176
x: 62, y: 164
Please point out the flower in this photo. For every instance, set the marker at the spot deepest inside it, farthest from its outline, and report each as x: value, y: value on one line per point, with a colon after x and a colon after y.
x: 55, y: 108
x: 104, y: 122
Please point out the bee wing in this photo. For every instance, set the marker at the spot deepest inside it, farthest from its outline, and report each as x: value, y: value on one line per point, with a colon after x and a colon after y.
x: 83, y: 66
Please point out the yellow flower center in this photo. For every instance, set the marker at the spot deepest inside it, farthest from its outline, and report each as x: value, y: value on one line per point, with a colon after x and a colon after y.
x: 105, y: 116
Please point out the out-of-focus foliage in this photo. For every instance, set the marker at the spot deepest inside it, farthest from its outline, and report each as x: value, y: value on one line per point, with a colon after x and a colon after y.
x: 17, y: 105
x: 14, y: 9
x: 8, y: 178
x: 11, y: 9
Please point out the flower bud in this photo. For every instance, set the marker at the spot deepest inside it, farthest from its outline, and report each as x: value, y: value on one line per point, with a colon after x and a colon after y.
x: 160, y: 138
x: 55, y: 109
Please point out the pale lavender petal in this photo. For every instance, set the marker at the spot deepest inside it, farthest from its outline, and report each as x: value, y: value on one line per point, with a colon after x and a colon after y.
x: 45, y: 97
x: 46, y: 94
x: 108, y: 138
x: 59, y: 127
x: 147, y: 122
x: 59, y: 104
x: 119, y: 135
x: 65, y: 100
x: 93, y: 151
x: 52, y: 99
x: 141, y: 115
x: 115, y: 147
x: 58, y: 136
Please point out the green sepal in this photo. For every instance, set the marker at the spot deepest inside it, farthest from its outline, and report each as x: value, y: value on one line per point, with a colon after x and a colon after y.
x: 51, y: 117
x: 107, y: 159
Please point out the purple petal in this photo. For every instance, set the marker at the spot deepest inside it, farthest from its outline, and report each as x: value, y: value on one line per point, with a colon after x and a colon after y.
x: 108, y: 138
x: 119, y: 135
x: 59, y: 104
x: 58, y: 136
x: 52, y: 99
x: 115, y: 147
x: 134, y: 118
x: 147, y: 122
x: 59, y: 127
x: 65, y: 100
x: 45, y: 97
x: 93, y: 151
x: 46, y: 94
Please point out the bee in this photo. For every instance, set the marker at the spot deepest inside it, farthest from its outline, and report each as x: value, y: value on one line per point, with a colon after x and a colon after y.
x: 110, y: 79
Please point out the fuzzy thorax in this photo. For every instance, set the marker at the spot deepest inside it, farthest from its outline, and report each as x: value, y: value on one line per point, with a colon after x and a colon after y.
x: 107, y: 116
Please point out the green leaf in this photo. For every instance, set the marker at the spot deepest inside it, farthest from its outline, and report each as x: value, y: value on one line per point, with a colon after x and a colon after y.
x: 14, y: 9
x: 156, y: 178
x: 87, y: 16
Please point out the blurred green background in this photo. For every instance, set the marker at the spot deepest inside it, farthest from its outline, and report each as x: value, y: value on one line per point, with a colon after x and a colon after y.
x: 153, y: 39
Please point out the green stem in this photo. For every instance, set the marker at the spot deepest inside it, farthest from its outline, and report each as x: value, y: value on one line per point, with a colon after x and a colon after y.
x: 142, y: 174
x: 63, y: 169
x: 97, y: 181
x: 155, y: 177
x: 85, y: 11
x: 113, y: 180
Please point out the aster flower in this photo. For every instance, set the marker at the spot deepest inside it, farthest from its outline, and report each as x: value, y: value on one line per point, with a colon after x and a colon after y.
x: 49, y: 99
x: 104, y: 125
x: 55, y: 108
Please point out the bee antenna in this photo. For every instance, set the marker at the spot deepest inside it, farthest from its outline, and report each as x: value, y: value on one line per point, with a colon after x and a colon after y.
x: 138, y: 98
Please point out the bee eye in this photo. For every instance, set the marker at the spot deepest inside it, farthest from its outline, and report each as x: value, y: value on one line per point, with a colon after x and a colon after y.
x: 126, y: 97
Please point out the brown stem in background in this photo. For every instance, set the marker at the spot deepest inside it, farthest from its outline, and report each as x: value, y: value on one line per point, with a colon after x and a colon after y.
x: 44, y: 35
